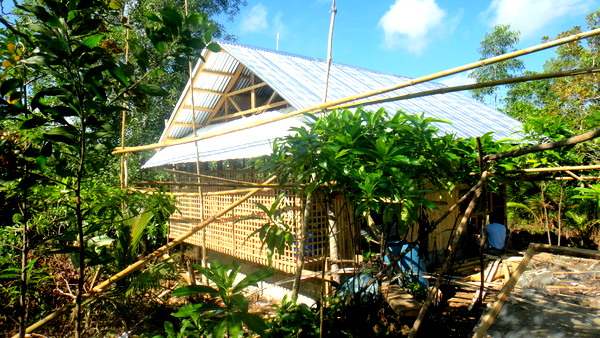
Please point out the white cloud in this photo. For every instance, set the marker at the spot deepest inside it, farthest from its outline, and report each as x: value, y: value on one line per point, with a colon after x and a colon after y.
x: 410, y: 23
x: 255, y: 20
x: 457, y: 80
x: 531, y: 16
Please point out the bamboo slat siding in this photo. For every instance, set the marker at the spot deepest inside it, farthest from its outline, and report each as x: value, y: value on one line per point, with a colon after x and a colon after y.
x: 230, y: 234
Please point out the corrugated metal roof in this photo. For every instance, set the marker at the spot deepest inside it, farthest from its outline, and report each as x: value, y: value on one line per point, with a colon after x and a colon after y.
x: 300, y: 81
x: 245, y: 143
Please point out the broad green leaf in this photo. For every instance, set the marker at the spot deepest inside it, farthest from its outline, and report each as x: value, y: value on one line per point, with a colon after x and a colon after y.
x: 33, y: 122
x: 254, y: 278
x: 93, y: 40
x: 194, y: 290
x: 115, y: 5
x: 213, y: 47
x: 254, y: 322
x: 195, y: 19
x: 152, y: 17
x: 240, y: 302
x: 9, y: 85
x: 152, y: 89
x: 118, y: 74
x: 64, y: 134
x: 41, y: 162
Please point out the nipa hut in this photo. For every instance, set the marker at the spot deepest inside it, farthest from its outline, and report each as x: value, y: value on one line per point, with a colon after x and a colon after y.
x: 242, y: 84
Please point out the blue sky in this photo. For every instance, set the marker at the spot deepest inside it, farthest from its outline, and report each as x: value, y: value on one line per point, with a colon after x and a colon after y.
x: 405, y: 37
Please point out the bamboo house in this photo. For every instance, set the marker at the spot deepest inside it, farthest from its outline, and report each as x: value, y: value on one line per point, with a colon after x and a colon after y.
x: 241, y: 85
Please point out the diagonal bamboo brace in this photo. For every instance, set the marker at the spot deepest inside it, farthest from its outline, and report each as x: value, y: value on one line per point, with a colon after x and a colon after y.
x: 139, y: 264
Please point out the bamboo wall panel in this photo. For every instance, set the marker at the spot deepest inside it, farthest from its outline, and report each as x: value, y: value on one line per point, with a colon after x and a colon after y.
x: 231, y: 234
x: 439, y: 238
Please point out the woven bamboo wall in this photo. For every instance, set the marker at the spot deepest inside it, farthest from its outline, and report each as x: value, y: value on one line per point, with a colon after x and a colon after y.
x: 438, y: 239
x: 230, y: 234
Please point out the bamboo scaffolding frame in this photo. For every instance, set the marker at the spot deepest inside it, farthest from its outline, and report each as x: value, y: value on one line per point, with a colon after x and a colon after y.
x: 243, y: 183
x: 445, y: 90
x: 204, y: 184
x: 195, y: 194
x: 447, y: 265
x: 157, y: 254
x: 451, y: 247
x: 404, y: 84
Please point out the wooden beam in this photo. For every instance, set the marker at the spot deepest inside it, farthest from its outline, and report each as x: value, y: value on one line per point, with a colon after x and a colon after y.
x: 207, y: 91
x: 246, y: 89
x: 251, y: 111
x: 233, y: 103
x: 186, y: 95
x: 237, y: 74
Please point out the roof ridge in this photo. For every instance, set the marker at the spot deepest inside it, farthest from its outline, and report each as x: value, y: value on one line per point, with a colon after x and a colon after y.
x: 309, y: 58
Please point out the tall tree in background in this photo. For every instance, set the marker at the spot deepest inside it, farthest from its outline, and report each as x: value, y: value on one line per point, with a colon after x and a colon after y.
x: 500, y: 40
x: 63, y: 86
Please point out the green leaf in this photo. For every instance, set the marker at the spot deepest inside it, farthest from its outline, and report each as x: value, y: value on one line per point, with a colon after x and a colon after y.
x: 152, y: 17
x: 64, y: 134
x: 41, y: 162
x: 195, y: 19
x: 118, y: 74
x: 194, y: 290
x: 9, y: 85
x: 115, y: 5
x: 254, y: 322
x: 254, y: 278
x: 93, y: 40
x: 33, y: 122
x: 152, y: 89
x: 240, y: 302
x: 213, y: 47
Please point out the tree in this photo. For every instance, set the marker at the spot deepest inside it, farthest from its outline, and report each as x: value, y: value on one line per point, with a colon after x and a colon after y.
x: 62, y: 90
x: 500, y: 40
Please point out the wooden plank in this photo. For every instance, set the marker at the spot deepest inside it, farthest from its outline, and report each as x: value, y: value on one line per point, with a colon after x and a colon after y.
x: 189, y: 92
x: 488, y: 318
x: 250, y: 111
x: 490, y: 272
x: 403, y: 303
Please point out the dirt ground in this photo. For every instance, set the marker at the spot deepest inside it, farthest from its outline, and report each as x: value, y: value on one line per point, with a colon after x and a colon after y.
x: 557, y: 296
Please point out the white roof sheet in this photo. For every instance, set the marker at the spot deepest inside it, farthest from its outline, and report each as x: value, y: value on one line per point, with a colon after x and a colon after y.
x: 300, y: 80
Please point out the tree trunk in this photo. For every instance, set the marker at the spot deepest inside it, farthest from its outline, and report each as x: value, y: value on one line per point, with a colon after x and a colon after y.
x: 300, y: 243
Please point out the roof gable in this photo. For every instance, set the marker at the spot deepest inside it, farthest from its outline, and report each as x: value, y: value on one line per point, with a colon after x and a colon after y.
x: 242, y: 81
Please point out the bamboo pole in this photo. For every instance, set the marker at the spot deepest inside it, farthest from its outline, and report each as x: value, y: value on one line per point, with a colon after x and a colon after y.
x: 195, y: 194
x: 249, y: 185
x: 550, y: 169
x: 449, y: 256
x: 233, y: 181
x: 142, y: 262
x: 546, y: 146
x: 331, y: 221
x: 404, y: 84
x: 445, y: 90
